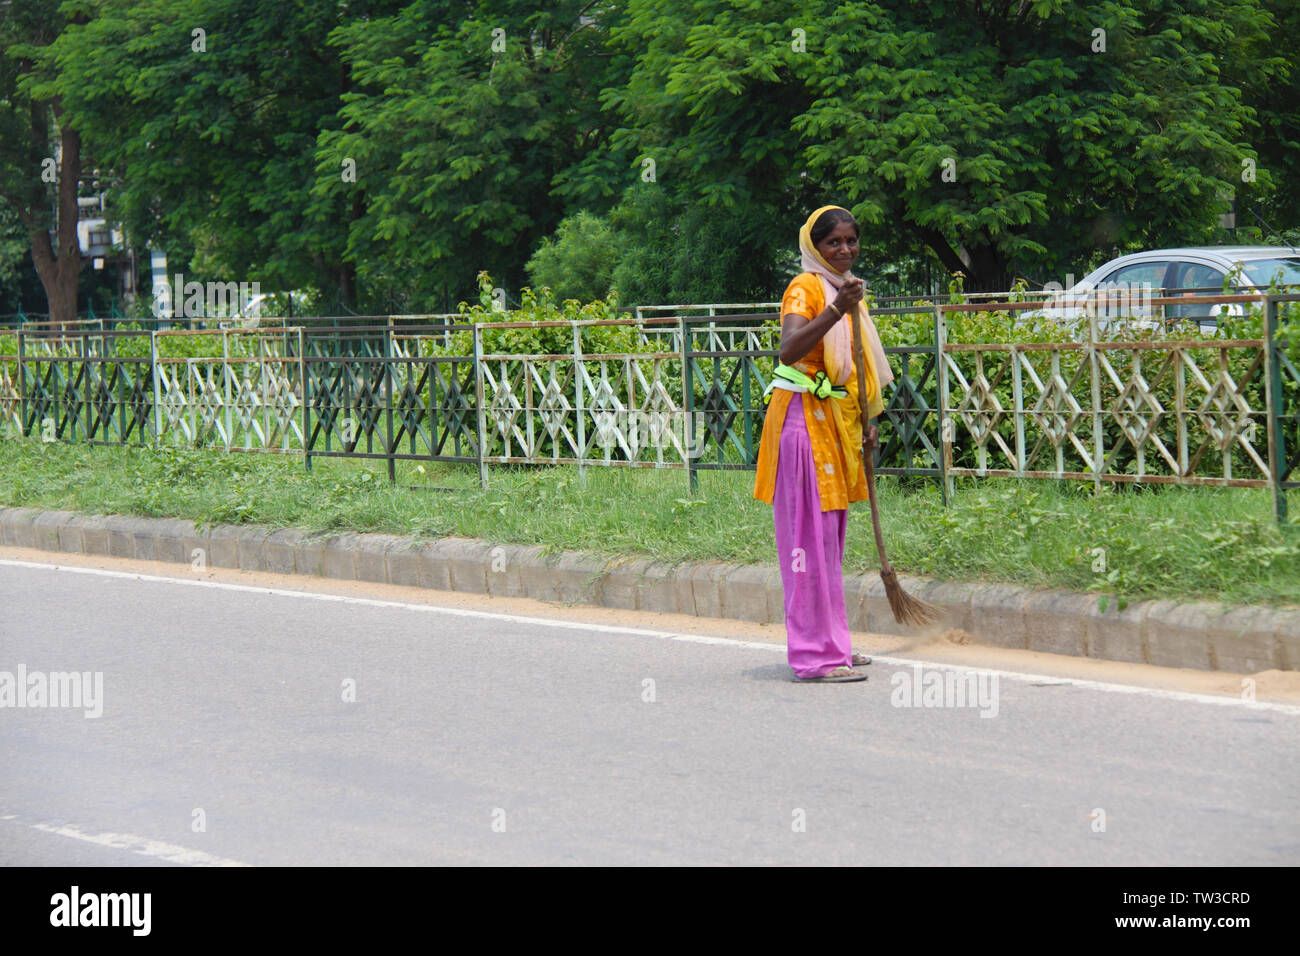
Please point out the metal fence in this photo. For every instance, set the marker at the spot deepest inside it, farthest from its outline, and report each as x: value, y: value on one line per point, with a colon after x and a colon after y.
x: 685, y: 392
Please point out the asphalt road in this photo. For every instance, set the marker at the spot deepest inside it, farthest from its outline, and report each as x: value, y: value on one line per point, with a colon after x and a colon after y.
x: 492, y: 740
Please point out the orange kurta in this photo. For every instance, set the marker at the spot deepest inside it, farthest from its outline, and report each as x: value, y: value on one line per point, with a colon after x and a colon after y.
x: 804, y: 296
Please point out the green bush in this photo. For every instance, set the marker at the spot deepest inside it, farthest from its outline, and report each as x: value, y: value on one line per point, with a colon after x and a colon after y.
x: 536, y: 306
x: 578, y: 261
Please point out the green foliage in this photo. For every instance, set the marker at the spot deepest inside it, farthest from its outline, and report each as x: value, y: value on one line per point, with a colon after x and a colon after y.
x: 676, y: 250
x: 709, y: 101
x: 1112, y: 544
x: 9, y: 346
x: 578, y: 261
x: 539, y: 306
x: 214, y: 147
x: 182, y: 345
x: 469, y: 137
x: 1268, y: 73
x: 670, y: 148
x: 14, y: 247
x: 1057, y: 148
x: 25, y: 28
x: 1058, y: 152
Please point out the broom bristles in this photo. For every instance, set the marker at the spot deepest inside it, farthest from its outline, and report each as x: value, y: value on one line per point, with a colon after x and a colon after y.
x: 906, y: 609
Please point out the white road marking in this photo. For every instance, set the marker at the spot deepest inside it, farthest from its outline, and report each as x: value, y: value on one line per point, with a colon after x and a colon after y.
x: 1291, y: 709
x: 402, y: 605
x: 136, y: 844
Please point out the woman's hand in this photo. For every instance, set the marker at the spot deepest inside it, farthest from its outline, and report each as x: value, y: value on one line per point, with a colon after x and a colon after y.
x: 849, y: 296
x: 869, y: 439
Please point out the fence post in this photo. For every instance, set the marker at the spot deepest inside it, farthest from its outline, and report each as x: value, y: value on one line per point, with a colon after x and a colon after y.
x: 22, y: 383
x: 157, y: 393
x: 1098, y: 439
x: 746, y: 361
x: 306, y: 400
x: 225, y: 381
x: 86, y: 376
x: 1273, y: 406
x: 581, y: 402
x: 946, y: 432
x: 688, y: 404
x: 478, y: 406
x: 389, y: 450
x: 1018, y: 404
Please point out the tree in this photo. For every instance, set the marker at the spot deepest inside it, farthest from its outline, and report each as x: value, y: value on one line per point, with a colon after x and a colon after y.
x: 1002, y: 137
x: 41, y: 160
x: 707, y: 111
x: 1270, y: 81
x: 578, y: 261
x: 467, y: 133
x: 1006, y: 137
x: 209, y: 119
x: 396, y: 148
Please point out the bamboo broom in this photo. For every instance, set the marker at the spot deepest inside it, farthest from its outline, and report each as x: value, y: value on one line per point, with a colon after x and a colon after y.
x: 907, y: 609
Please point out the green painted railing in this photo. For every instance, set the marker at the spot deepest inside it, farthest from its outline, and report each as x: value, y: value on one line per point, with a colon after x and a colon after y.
x: 1099, y: 408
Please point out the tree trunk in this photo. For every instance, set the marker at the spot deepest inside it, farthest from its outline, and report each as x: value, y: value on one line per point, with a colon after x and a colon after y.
x: 348, y: 269
x: 983, y: 266
x: 348, y: 285
x: 58, y: 266
x: 988, y: 270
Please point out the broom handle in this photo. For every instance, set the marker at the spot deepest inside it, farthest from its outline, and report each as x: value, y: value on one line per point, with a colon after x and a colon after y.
x: 860, y: 359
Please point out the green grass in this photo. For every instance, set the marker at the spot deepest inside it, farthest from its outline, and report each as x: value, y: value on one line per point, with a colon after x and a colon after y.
x: 1158, y: 541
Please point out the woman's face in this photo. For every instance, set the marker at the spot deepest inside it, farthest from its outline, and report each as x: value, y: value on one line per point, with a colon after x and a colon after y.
x: 840, y: 248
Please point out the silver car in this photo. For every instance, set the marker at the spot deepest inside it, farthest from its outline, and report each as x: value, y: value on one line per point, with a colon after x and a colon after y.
x: 1133, y: 278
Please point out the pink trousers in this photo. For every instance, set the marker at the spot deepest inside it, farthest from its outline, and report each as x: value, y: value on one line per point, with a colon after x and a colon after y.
x: 810, y: 545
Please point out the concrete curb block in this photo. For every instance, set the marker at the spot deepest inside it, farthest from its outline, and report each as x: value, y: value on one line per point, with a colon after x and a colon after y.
x: 466, y: 561
x: 1056, y: 621
x: 402, y: 564
x: 17, y: 527
x: 222, y: 546
x: 623, y: 582
x: 743, y: 593
x: 1245, y: 640
x: 1116, y: 635
x: 1194, y: 634
x: 176, y: 540
x: 657, y: 588
x: 286, y: 552
x: 339, y: 559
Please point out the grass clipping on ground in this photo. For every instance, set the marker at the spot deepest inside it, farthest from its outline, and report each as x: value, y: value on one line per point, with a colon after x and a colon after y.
x: 1126, y: 543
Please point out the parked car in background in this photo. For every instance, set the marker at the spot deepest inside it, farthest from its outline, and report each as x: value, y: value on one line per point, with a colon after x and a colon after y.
x: 1129, y: 278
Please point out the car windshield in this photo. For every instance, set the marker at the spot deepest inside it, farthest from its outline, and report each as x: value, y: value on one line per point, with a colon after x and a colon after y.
x: 1261, y: 271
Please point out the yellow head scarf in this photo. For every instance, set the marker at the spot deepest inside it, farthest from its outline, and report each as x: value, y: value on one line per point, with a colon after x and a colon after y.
x: 839, y: 342
x: 839, y: 352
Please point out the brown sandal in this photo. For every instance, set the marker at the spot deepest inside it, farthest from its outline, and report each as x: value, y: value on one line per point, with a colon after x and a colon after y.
x: 841, y: 675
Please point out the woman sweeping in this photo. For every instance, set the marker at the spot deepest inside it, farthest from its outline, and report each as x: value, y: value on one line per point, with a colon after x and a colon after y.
x: 809, y: 464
